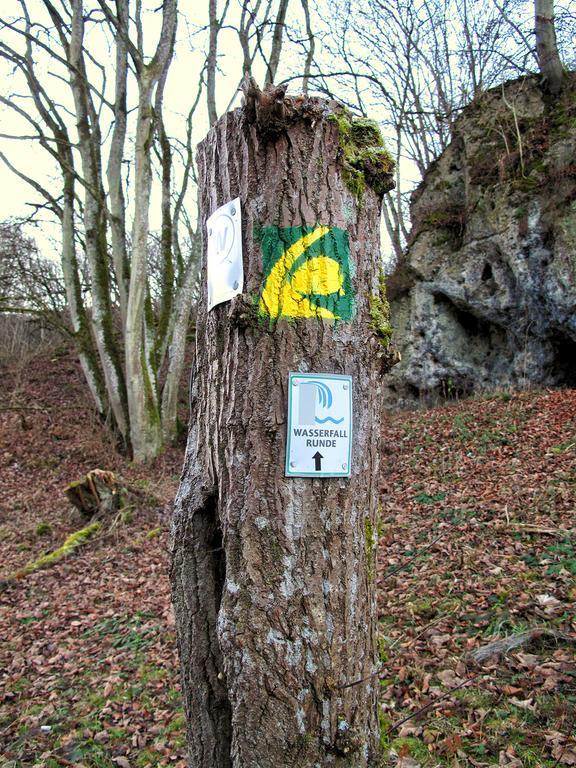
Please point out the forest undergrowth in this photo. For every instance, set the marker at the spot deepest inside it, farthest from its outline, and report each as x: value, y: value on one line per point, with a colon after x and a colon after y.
x: 477, y: 544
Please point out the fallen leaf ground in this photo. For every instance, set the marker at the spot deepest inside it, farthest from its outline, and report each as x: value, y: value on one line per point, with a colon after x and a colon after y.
x: 477, y: 542
x: 87, y: 646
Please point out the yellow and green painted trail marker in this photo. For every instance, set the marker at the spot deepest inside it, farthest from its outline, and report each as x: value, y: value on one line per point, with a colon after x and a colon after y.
x: 306, y: 273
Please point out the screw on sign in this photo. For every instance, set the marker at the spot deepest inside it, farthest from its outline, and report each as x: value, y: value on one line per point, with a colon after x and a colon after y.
x: 225, y: 270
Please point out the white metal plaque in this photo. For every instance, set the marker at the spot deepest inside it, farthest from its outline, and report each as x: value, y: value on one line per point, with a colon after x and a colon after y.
x: 225, y: 268
x: 319, y: 439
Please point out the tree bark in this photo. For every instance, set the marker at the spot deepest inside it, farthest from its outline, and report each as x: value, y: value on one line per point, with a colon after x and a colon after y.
x: 274, y: 577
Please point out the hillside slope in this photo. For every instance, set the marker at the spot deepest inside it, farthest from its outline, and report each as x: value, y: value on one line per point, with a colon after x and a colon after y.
x: 477, y: 541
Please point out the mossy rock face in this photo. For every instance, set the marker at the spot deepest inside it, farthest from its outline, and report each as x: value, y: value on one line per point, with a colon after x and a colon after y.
x: 485, y: 292
x: 365, y: 159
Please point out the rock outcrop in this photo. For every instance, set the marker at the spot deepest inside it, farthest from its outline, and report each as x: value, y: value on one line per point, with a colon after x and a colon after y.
x: 486, y: 296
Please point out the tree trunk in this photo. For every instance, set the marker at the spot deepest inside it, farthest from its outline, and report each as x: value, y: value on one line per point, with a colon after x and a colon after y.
x: 117, y: 216
x: 95, y: 216
x: 546, y: 46
x: 212, y: 61
x: 141, y: 374
x: 80, y: 323
x: 274, y: 577
x: 141, y: 380
x: 277, y: 40
x: 176, y: 352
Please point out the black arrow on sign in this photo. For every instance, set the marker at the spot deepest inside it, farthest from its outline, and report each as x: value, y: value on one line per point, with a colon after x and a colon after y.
x: 317, y: 461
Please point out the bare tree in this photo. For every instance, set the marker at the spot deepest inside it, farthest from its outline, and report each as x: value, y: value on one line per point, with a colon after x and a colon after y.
x: 262, y: 29
x: 124, y: 347
x: 421, y: 63
x: 101, y: 120
x: 29, y: 283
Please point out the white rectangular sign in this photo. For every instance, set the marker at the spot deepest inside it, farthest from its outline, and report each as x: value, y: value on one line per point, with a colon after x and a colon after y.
x: 319, y: 439
x: 225, y: 269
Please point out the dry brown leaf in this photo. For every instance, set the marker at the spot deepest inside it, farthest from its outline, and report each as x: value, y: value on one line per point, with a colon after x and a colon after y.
x: 510, y: 690
x: 551, y: 682
x: 509, y: 761
x: 527, y: 704
x: 449, y: 678
x: 426, y: 682
x: 409, y: 729
x: 528, y: 660
x: 123, y: 762
x: 564, y: 754
x: 407, y: 762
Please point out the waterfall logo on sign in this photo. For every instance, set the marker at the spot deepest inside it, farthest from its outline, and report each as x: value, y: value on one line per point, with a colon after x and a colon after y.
x: 306, y: 273
x: 315, y: 397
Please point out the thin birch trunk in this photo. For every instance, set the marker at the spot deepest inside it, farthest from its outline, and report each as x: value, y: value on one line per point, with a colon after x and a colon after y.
x: 311, y: 48
x: 142, y: 394
x: 77, y: 313
x: 166, y: 309
x: 212, y: 60
x: 144, y: 408
x: 546, y: 47
x: 277, y: 40
x: 177, y: 348
x: 117, y: 216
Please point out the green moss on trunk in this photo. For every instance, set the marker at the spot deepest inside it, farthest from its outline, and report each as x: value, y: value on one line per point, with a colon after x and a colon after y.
x: 380, y: 313
x: 365, y: 159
